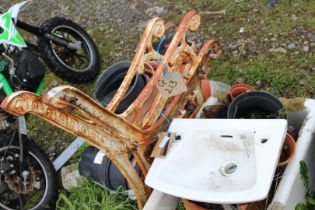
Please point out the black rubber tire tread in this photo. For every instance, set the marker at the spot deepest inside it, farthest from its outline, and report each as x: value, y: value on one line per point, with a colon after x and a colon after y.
x: 50, y: 199
x: 55, y: 65
x: 106, y: 74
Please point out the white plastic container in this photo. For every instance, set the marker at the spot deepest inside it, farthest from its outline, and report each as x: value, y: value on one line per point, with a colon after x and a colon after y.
x: 291, y: 190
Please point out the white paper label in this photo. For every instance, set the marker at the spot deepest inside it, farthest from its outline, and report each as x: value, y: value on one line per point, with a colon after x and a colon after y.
x: 171, y: 84
x: 164, y: 141
x: 99, y: 157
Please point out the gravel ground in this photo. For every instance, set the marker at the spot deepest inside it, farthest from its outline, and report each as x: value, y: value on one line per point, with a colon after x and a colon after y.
x: 120, y: 14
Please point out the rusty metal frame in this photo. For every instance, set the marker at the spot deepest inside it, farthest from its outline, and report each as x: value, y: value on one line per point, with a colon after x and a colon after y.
x: 136, y: 129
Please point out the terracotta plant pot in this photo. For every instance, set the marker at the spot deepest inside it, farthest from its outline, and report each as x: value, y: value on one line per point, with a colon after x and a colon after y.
x: 243, y: 206
x: 288, y: 151
x: 239, y: 89
x: 205, y: 88
x: 215, y: 89
x: 253, y: 205
x: 190, y: 205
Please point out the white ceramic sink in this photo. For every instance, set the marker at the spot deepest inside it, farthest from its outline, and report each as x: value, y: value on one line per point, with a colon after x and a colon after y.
x: 220, y: 161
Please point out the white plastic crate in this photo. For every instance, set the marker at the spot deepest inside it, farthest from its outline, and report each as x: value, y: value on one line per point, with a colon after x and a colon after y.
x: 291, y: 190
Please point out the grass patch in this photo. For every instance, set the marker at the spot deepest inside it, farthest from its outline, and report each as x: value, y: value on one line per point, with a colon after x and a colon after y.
x: 76, y: 157
x: 92, y: 196
x: 294, y: 104
x: 276, y: 76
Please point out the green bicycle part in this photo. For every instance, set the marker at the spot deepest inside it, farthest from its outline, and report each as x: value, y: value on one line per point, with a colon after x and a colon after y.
x: 40, y: 87
x: 9, y: 34
x: 3, y: 65
x: 5, y: 85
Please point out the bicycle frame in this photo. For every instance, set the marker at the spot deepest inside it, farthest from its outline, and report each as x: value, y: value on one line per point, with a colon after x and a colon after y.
x: 8, y: 90
x: 21, y: 125
x: 37, y: 31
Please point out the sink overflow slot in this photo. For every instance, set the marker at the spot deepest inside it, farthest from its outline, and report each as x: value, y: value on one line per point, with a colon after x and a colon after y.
x: 226, y: 136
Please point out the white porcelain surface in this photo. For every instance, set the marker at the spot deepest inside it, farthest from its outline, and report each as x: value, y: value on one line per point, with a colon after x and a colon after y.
x: 220, y: 161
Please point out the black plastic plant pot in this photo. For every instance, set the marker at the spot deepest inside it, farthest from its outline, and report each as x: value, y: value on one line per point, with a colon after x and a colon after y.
x: 110, y: 80
x: 96, y: 166
x: 164, y: 44
x: 254, y: 105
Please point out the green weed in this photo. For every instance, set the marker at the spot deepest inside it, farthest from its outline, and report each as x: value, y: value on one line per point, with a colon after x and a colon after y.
x: 91, y: 196
x: 310, y: 193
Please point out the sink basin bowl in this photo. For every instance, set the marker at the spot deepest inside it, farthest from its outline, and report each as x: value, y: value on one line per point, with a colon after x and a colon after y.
x: 231, y: 165
x: 220, y: 161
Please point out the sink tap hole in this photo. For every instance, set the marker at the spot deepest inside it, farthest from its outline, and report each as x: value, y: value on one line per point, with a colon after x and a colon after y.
x: 264, y: 140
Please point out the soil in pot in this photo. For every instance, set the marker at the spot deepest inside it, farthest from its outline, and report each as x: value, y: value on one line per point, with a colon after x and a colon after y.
x: 288, y: 150
x: 259, y: 115
x: 210, y: 206
x: 285, y: 154
x: 214, y: 111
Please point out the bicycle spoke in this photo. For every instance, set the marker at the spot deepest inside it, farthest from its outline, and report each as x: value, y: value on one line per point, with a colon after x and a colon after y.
x: 79, y: 59
x: 21, y: 201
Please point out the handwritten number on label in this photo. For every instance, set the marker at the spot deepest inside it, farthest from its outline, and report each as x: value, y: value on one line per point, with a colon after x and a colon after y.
x: 172, y: 84
x: 169, y: 90
x: 161, y: 82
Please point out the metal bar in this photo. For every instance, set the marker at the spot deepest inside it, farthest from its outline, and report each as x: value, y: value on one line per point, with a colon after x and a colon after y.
x: 29, y: 28
x: 23, y: 102
x: 60, y: 41
x: 94, y: 110
x: 68, y: 153
x: 154, y: 28
x: 190, y: 21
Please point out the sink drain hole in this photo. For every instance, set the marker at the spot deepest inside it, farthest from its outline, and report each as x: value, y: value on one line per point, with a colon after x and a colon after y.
x: 228, y: 169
